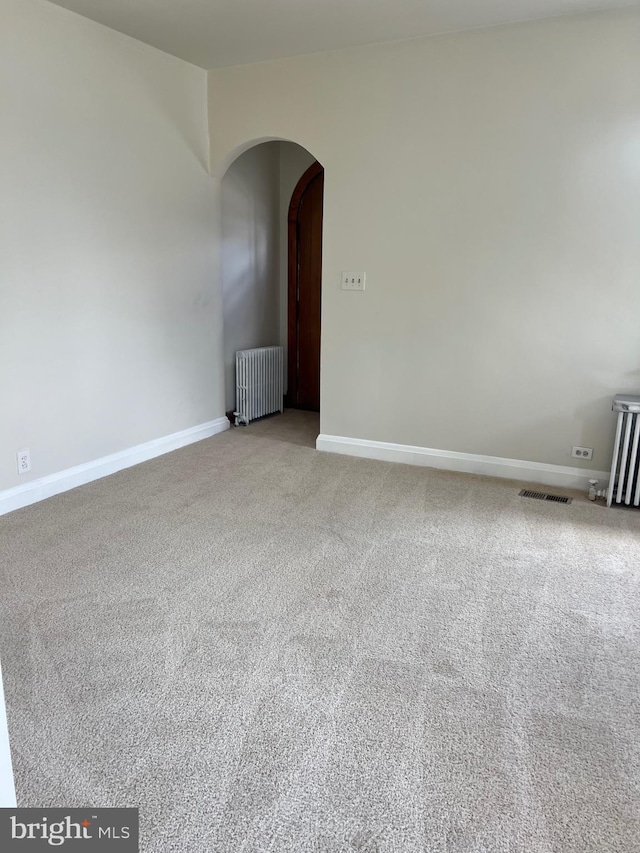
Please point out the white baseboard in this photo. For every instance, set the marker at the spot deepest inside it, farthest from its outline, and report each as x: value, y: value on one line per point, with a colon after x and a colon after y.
x: 469, y: 463
x: 54, y: 484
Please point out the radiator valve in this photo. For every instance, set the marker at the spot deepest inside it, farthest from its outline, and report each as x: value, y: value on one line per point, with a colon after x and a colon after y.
x: 595, y: 492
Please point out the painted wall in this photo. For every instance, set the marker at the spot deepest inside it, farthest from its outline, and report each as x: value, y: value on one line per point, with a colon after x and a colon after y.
x: 250, y: 204
x: 489, y: 185
x: 110, y: 319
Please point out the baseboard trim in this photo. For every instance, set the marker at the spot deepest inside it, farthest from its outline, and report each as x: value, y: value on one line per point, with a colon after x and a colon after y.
x: 469, y: 463
x: 54, y: 484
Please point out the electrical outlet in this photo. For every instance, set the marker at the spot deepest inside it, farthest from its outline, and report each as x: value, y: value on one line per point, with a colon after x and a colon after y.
x: 24, y: 461
x: 353, y: 280
x: 582, y: 452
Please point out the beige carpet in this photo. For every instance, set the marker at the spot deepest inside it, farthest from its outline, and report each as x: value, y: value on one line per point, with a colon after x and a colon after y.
x: 268, y: 648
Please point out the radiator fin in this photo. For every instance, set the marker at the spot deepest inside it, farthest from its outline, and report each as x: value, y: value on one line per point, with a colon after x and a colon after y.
x: 624, y: 485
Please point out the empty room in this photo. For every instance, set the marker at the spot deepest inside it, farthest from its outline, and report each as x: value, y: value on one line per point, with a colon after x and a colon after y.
x: 320, y: 426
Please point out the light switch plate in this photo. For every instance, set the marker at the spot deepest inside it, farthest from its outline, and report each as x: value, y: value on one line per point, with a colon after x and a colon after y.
x: 353, y: 280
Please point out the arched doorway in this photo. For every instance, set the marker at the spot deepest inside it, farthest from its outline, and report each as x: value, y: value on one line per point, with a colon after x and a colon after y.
x: 305, y: 289
x: 258, y: 186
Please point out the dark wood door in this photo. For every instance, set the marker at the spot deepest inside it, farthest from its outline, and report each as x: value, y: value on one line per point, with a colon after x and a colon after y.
x: 305, y: 281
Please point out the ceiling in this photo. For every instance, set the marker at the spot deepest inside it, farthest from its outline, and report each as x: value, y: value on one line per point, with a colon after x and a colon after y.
x: 215, y: 33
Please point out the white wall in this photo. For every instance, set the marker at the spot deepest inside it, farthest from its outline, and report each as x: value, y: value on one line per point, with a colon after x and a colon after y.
x: 110, y: 326
x: 489, y: 185
x: 250, y: 256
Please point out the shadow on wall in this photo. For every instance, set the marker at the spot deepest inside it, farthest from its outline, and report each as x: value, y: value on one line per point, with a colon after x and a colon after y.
x: 255, y: 194
x: 175, y: 97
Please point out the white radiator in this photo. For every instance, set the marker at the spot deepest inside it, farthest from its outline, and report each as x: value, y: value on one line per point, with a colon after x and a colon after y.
x: 259, y: 383
x: 624, y: 485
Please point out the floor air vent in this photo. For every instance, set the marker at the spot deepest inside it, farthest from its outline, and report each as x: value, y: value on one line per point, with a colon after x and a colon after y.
x: 542, y: 496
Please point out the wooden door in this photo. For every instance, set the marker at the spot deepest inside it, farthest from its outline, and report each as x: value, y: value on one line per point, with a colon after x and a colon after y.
x: 305, y: 280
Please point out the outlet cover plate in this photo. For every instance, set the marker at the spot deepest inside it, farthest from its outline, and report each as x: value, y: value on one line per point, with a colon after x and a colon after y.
x: 582, y: 452
x: 24, y: 461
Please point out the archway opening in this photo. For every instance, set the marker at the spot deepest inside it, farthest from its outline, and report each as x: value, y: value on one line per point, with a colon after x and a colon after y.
x: 258, y: 238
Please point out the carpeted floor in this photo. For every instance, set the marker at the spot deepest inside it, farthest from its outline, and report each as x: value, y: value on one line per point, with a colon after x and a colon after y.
x: 268, y: 648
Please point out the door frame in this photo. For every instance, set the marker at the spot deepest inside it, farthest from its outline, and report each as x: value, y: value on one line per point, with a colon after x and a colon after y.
x: 292, y: 293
